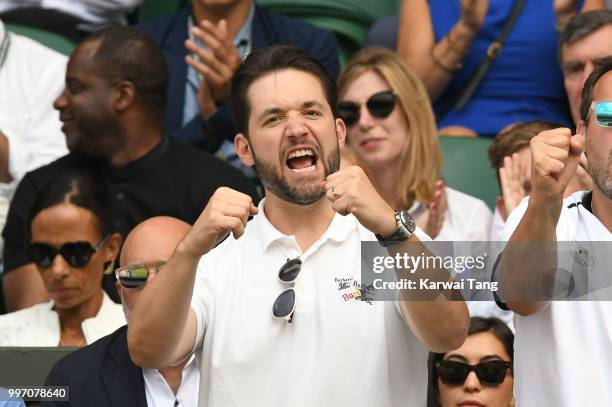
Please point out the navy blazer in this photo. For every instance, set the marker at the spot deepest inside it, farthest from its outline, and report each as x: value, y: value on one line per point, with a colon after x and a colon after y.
x: 101, y: 374
x: 170, y: 32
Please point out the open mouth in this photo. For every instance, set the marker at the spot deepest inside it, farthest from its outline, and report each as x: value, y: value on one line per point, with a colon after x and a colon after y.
x: 302, y: 160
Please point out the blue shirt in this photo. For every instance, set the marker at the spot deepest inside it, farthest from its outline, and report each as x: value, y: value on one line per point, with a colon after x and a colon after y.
x: 524, y: 83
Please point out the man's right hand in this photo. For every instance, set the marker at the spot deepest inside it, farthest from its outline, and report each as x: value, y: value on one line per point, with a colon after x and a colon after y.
x: 227, y: 211
x: 555, y: 155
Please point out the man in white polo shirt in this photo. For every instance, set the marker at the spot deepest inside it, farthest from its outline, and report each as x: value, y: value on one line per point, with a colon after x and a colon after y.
x: 563, y: 349
x: 271, y: 330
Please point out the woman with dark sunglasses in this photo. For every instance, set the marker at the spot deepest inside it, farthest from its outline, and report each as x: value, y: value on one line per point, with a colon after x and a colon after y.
x: 391, y: 127
x: 479, y: 373
x: 72, y: 243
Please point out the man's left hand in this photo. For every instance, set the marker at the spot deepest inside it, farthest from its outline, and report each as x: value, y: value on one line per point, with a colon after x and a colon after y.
x: 350, y: 191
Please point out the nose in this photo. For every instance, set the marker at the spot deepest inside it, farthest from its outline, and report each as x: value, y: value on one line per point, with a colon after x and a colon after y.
x: 472, y: 384
x: 366, y: 121
x: 59, y: 267
x: 295, y: 126
x: 61, y: 101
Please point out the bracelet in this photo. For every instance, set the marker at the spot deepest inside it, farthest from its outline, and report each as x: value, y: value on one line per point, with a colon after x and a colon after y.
x: 439, y: 64
x: 455, y: 46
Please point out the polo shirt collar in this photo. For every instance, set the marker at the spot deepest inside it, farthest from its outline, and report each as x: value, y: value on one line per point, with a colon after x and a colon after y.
x: 338, y: 230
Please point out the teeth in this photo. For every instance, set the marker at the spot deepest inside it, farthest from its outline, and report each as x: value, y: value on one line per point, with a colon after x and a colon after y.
x: 306, y: 169
x: 301, y: 153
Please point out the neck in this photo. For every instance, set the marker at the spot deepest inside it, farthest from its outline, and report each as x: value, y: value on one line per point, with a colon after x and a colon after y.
x: 235, y: 14
x: 71, y: 319
x: 384, y: 180
x: 136, y: 146
x: 306, y: 222
x: 602, y: 208
x: 173, y: 375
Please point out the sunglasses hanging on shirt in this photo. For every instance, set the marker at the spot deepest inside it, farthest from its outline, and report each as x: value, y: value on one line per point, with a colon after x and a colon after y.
x: 380, y: 105
x: 284, y: 305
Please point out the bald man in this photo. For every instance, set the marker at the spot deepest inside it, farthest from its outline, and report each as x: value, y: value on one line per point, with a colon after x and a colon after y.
x: 104, y: 371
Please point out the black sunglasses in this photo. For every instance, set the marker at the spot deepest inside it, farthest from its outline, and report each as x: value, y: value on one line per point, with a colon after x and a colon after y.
x: 284, y: 305
x: 76, y: 254
x: 136, y: 275
x: 380, y: 105
x: 454, y: 373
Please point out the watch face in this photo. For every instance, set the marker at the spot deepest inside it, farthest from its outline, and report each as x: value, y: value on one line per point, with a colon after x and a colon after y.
x: 406, y: 219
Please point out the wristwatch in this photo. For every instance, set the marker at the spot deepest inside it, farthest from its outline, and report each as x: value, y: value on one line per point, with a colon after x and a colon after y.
x: 405, y: 228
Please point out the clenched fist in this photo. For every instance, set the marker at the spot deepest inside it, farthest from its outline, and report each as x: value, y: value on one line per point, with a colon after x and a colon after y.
x: 227, y: 211
x: 350, y: 191
x: 555, y: 155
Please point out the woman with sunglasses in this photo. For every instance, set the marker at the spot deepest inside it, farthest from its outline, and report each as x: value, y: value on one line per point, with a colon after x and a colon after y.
x: 479, y: 373
x: 391, y: 127
x: 72, y: 243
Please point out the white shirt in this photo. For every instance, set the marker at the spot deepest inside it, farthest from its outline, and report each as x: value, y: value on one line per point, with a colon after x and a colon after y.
x: 30, y: 79
x: 466, y: 219
x: 39, y: 325
x: 95, y: 12
x: 159, y: 393
x: 338, y: 351
x: 563, y: 354
x: 497, y: 226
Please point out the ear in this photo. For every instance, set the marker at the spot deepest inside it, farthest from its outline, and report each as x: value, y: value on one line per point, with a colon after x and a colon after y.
x: 340, y: 132
x: 243, y: 150
x: 112, y: 247
x: 125, y: 93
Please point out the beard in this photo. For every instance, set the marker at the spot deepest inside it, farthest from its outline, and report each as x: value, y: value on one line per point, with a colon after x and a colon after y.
x: 96, y: 141
x: 273, y: 181
x: 599, y: 170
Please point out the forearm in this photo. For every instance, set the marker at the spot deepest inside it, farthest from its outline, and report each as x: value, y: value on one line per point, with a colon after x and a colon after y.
x: 159, y: 318
x: 528, y: 260
x: 436, y: 63
x: 439, y: 318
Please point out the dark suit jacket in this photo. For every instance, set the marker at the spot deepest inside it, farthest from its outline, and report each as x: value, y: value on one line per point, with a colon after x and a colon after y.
x: 170, y: 32
x: 101, y: 374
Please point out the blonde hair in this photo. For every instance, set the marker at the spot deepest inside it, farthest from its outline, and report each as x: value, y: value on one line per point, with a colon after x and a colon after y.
x: 421, y: 161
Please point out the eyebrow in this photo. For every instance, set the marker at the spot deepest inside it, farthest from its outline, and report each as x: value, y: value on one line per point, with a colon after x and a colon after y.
x: 485, y: 358
x: 276, y: 110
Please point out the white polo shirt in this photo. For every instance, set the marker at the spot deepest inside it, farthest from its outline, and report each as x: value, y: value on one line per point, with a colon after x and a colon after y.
x: 563, y: 354
x: 338, y: 351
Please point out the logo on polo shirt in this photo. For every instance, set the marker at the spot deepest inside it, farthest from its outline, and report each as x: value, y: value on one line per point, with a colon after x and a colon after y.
x: 352, y: 290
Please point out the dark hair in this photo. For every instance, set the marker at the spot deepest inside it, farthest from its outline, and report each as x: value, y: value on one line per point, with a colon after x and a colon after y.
x: 273, y: 59
x: 583, y: 24
x: 126, y: 53
x: 80, y: 189
x: 477, y: 325
x: 600, y: 70
x: 515, y: 139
